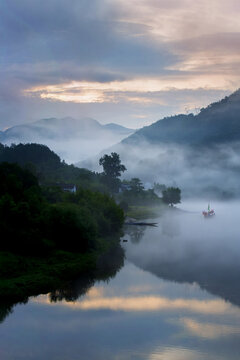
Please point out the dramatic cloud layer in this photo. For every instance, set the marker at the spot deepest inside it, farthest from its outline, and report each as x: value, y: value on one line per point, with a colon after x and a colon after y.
x: 129, y: 62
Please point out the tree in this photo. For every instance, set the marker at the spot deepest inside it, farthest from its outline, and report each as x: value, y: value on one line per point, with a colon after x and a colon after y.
x: 136, y: 186
x: 112, y: 169
x: 171, y: 196
x: 112, y: 166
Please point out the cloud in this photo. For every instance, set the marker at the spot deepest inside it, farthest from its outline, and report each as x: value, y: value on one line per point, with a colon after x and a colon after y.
x: 77, y: 35
x: 208, y: 330
x: 141, y: 90
x: 127, y: 52
x: 144, y: 303
x: 172, y: 20
x: 178, y: 353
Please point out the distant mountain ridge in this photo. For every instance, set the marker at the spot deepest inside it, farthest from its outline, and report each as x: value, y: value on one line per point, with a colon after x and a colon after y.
x: 71, y: 138
x: 53, y: 127
x: 119, y: 128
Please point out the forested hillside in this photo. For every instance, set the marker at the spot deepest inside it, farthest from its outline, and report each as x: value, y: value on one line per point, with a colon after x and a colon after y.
x: 44, y: 227
x: 218, y: 123
x: 47, y: 166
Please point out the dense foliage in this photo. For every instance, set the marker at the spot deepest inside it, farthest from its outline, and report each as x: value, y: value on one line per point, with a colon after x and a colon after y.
x: 31, y: 225
x: 48, y: 235
x: 171, y: 195
x: 48, y: 167
x: 112, y: 169
x: 133, y: 193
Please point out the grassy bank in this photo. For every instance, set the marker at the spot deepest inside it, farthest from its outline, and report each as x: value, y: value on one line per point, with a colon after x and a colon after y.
x: 140, y: 212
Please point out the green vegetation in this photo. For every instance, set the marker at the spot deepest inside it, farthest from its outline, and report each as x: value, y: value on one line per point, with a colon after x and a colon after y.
x: 139, y: 203
x: 65, y: 235
x: 171, y: 195
x: 48, y: 167
x: 133, y: 194
x: 145, y: 212
x: 112, y: 169
x: 49, y: 235
x: 30, y: 225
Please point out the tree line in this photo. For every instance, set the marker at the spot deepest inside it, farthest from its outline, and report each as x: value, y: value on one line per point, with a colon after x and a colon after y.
x: 37, y: 218
x: 31, y: 225
x: 132, y: 191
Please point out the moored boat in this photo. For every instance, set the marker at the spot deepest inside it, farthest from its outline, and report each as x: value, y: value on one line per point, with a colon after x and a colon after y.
x: 208, y: 214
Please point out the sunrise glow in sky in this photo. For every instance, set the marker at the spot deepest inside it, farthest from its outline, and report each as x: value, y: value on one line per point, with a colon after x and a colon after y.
x: 130, y: 62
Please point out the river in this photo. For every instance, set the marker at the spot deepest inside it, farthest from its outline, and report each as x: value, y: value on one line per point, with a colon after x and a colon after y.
x: 176, y: 296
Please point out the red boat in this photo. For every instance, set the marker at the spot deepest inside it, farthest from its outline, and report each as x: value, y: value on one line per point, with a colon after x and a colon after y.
x: 209, y: 213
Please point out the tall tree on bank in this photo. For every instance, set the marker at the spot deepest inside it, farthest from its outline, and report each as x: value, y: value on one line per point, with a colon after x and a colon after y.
x: 112, y: 169
x: 136, y: 186
x: 171, y: 196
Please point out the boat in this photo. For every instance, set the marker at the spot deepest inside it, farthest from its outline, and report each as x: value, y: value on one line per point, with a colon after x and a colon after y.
x: 140, y: 223
x: 209, y: 213
x: 131, y: 221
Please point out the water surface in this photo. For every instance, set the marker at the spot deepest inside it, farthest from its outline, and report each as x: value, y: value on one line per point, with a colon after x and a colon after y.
x: 177, y: 297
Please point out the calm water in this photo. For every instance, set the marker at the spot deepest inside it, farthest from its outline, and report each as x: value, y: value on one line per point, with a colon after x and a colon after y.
x: 177, y: 297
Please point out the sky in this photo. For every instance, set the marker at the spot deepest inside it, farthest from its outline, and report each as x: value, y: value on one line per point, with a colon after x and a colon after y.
x: 129, y: 62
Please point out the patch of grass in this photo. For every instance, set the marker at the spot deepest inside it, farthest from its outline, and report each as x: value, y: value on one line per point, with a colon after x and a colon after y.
x: 145, y: 212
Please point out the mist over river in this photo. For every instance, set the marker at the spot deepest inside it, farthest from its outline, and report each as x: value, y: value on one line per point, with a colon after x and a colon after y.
x: 177, y: 297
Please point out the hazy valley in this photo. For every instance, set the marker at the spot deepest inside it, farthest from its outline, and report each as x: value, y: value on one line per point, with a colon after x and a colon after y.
x: 72, y: 139
x: 199, y: 153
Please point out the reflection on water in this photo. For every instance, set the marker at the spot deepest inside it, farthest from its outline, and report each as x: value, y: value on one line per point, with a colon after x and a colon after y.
x: 107, y: 267
x: 175, y: 298
x: 189, y: 248
x: 5, y: 310
x: 97, y: 299
x: 134, y: 316
x: 135, y: 233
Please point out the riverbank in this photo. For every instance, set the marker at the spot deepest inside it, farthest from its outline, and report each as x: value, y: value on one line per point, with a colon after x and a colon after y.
x: 146, y: 212
x: 46, y: 240
x: 24, y: 276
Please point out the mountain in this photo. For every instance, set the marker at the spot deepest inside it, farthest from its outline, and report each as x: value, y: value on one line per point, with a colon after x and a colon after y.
x: 72, y: 139
x: 218, y: 123
x: 48, y: 167
x: 51, y: 128
x: 118, y: 129
x: 199, y: 153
